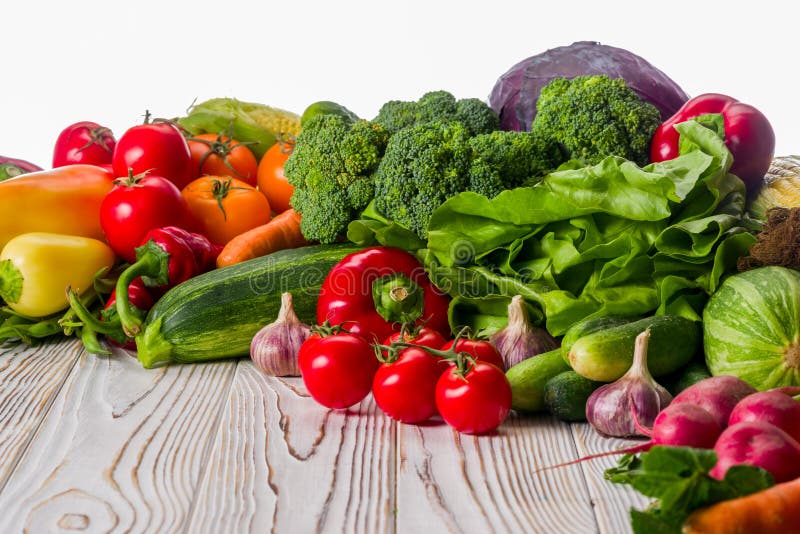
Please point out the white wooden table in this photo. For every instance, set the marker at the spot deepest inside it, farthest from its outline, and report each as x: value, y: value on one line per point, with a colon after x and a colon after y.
x: 97, y: 444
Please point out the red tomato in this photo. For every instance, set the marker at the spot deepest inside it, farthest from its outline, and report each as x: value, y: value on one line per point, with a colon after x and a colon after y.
x: 406, y: 389
x: 338, y: 369
x: 136, y: 205
x: 271, y: 180
x: 217, y: 155
x: 158, y: 148
x: 481, y: 350
x: 84, y: 142
x: 425, y: 336
x: 475, y: 403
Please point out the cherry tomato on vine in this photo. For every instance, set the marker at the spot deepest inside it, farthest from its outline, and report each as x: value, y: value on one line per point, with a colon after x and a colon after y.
x: 223, y: 207
x: 338, y: 369
x: 137, y: 204
x: 271, y: 180
x: 477, y: 402
x: 217, y: 155
x: 158, y: 148
x: 406, y: 389
x: 480, y: 349
x: 84, y: 142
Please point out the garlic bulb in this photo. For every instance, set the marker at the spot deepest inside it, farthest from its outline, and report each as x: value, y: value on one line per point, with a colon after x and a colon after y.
x: 621, y: 408
x: 519, y: 340
x: 275, y: 347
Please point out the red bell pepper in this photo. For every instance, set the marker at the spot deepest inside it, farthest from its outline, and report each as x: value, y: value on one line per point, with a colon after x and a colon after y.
x: 748, y: 135
x: 166, y: 257
x: 374, y: 291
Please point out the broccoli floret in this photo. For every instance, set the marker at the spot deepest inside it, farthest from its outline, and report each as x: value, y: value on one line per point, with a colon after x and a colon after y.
x: 331, y: 170
x: 438, y: 106
x: 594, y: 117
x: 477, y: 116
x: 423, y: 166
x: 505, y: 159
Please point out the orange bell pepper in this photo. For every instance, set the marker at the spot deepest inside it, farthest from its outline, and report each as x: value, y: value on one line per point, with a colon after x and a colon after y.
x: 64, y: 200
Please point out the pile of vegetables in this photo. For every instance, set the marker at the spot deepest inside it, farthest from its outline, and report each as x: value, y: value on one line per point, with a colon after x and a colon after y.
x: 571, y: 246
x: 89, y: 245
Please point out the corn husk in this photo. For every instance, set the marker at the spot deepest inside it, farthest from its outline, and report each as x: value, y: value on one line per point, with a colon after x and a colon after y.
x: 781, y: 187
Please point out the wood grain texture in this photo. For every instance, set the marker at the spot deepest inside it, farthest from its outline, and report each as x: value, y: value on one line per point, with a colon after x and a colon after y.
x: 122, y: 449
x: 451, y: 482
x: 223, y: 448
x: 612, y: 502
x: 30, y: 378
x: 283, y: 463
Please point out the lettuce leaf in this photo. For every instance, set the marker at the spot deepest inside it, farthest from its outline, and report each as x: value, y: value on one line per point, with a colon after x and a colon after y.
x: 612, y: 238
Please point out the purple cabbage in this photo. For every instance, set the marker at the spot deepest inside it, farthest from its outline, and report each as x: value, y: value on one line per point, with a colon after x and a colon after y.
x: 515, y: 94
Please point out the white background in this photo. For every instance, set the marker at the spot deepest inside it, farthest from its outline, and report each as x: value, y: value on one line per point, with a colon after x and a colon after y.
x: 109, y: 61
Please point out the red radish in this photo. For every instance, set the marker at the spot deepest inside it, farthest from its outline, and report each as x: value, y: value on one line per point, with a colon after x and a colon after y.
x: 760, y: 444
x: 677, y: 425
x: 685, y: 425
x: 718, y: 395
x: 773, y: 406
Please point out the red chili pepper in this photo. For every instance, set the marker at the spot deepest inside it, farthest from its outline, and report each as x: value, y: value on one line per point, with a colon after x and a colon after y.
x: 374, y: 291
x: 166, y: 257
x: 748, y: 135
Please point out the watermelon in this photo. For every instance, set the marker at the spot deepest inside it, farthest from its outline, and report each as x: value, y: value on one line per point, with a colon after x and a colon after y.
x: 751, y: 328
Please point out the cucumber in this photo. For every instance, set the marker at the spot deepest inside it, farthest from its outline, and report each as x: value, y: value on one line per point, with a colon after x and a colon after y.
x: 606, y: 355
x: 565, y: 395
x: 326, y: 107
x: 529, y: 377
x: 590, y: 326
x: 693, y: 372
x: 215, y: 315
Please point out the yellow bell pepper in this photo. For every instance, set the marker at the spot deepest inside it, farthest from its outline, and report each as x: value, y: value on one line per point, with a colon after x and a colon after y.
x: 65, y: 200
x: 36, y: 268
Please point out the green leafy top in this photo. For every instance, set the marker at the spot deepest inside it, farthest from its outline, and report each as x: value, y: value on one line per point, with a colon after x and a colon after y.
x: 678, y: 478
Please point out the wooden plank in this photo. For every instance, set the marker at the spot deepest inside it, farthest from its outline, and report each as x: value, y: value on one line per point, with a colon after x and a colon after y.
x: 451, y: 482
x: 612, y: 502
x: 122, y: 449
x: 283, y: 463
x: 30, y: 377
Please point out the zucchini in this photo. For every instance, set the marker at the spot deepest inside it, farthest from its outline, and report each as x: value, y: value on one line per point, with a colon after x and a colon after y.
x: 565, y: 395
x: 528, y: 378
x: 216, y: 314
x: 606, y: 355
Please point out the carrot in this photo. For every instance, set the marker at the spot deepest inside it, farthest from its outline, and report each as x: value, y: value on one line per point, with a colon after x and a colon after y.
x: 775, y: 510
x: 280, y: 233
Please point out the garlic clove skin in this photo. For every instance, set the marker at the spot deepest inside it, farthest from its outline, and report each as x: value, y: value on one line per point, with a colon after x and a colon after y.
x: 275, y: 347
x: 615, y: 409
x: 519, y: 340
